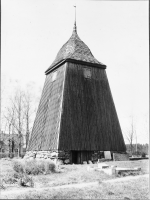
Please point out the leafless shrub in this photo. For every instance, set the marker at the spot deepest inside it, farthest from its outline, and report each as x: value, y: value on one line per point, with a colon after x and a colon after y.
x: 33, y: 167
x: 18, y: 167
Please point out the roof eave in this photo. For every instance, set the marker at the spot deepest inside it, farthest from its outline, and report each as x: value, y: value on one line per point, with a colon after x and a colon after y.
x: 50, y: 69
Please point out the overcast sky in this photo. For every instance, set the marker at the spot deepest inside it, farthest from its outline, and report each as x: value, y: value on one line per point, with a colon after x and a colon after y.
x: 116, y: 32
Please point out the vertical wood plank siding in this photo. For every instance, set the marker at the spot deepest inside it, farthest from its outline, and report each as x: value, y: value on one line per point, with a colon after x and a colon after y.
x: 87, y: 117
x: 45, y: 130
x: 89, y: 120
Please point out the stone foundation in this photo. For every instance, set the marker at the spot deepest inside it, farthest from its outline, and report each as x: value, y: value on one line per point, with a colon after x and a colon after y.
x: 64, y: 156
x: 61, y: 156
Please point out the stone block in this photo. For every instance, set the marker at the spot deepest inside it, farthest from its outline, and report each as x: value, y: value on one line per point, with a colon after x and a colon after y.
x: 102, y: 166
x: 85, y: 162
x: 119, y: 169
x: 90, y: 168
x: 107, y: 155
x: 59, y: 162
x: 54, y: 154
x: 120, y: 157
x: 110, y: 170
x: 67, y: 161
x: 61, y: 154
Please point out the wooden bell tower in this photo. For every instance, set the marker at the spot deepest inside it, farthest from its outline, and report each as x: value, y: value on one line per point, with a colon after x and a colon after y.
x: 76, y: 113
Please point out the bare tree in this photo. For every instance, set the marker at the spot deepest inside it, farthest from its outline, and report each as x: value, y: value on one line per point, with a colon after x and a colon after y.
x: 18, y: 117
x: 28, y: 112
x: 31, y: 101
x: 19, y: 113
x: 2, y: 141
x: 131, y: 136
x: 10, y: 117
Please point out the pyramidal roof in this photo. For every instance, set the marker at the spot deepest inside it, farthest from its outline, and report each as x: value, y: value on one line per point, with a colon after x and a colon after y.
x: 75, y: 50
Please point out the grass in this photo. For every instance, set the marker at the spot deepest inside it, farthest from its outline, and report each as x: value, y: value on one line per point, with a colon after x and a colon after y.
x: 79, y: 174
x: 71, y: 174
x: 121, y: 190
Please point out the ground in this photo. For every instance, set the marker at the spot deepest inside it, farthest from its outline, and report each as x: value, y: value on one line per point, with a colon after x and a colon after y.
x: 75, y: 181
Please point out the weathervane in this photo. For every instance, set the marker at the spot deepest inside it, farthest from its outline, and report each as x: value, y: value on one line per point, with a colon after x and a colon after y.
x: 75, y: 28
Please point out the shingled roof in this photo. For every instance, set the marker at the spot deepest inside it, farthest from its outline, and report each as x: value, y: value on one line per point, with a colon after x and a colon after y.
x: 75, y: 49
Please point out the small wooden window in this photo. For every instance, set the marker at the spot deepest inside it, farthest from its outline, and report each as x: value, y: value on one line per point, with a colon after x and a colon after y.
x: 54, y: 76
x: 87, y: 73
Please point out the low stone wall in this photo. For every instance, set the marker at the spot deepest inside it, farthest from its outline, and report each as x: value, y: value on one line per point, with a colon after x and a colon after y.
x: 64, y: 156
x: 120, y: 156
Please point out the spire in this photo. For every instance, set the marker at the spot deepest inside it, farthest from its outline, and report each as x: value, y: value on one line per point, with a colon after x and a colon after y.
x: 75, y: 49
x: 75, y: 27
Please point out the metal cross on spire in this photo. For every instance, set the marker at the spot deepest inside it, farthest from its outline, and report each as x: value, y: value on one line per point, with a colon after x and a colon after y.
x: 75, y: 27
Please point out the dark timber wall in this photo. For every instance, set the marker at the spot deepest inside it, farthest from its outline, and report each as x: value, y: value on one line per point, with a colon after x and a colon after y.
x: 45, y: 131
x: 89, y: 120
x: 76, y: 112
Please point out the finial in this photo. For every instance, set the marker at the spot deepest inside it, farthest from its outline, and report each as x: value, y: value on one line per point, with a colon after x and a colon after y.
x: 75, y: 27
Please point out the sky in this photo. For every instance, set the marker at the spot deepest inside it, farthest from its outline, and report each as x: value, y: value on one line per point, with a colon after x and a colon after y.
x: 33, y: 31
